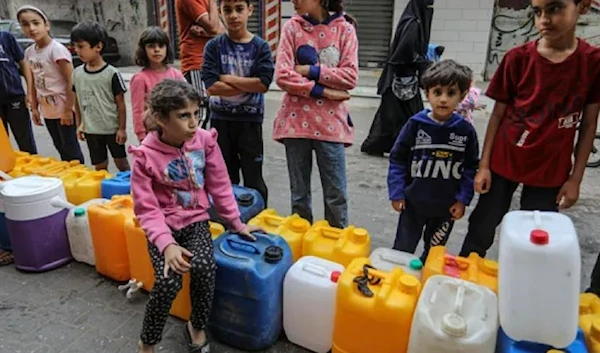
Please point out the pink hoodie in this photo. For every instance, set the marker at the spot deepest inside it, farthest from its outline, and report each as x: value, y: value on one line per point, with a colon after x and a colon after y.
x: 331, y: 49
x: 170, y: 185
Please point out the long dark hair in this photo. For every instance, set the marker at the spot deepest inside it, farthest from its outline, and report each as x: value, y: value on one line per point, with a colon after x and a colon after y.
x: 337, y: 7
x: 152, y: 35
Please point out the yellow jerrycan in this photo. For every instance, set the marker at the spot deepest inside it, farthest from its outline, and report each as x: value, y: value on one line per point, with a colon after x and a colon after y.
x: 334, y: 244
x: 291, y: 228
x: 7, y: 154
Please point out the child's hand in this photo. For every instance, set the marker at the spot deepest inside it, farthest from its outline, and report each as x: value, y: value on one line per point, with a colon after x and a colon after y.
x: 35, y: 117
x: 568, y: 195
x: 121, y: 136
x: 483, y: 180
x: 336, y: 95
x: 174, y: 259
x: 457, y: 210
x: 80, y: 133
x: 67, y: 118
x: 399, y: 206
x: 303, y: 70
x: 228, y: 79
x: 198, y: 31
x: 248, y: 230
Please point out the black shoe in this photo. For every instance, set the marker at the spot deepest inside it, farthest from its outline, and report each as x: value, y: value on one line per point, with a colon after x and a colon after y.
x: 195, y: 348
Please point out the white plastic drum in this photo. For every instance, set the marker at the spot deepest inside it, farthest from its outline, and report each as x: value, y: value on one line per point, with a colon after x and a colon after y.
x: 78, y: 230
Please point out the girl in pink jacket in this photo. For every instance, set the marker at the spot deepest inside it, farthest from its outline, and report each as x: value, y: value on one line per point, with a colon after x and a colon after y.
x: 174, y: 170
x: 317, y: 64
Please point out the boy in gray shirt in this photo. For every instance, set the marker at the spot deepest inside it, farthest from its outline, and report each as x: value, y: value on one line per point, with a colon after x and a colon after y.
x: 100, y: 89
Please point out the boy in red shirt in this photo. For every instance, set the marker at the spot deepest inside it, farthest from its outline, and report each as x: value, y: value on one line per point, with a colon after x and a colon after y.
x: 543, y: 91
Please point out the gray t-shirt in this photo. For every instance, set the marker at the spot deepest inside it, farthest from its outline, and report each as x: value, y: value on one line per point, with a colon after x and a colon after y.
x: 96, y: 92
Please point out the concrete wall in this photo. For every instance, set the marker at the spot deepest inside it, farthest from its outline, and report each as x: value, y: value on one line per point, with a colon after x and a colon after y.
x: 124, y: 19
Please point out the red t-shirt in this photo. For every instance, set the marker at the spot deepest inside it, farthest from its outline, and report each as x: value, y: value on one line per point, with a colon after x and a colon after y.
x: 535, y: 139
x: 191, y: 47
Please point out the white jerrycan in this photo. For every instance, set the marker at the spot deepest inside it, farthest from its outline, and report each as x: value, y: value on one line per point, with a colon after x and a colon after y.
x: 78, y: 231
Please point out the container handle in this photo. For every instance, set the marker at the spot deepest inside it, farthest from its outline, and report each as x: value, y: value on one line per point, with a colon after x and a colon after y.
x: 5, y: 176
x: 330, y: 233
x: 393, y: 259
x: 59, y: 202
x: 239, y: 245
x: 122, y: 202
x: 537, y: 219
x: 315, y: 270
x: 271, y: 217
x: 460, y: 298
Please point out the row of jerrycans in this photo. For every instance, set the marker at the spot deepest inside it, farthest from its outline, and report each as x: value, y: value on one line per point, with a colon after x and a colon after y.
x: 589, y: 320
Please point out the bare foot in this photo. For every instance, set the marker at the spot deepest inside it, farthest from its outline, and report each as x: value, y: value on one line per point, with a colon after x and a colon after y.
x: 198, y: 337
x: 143, y: 348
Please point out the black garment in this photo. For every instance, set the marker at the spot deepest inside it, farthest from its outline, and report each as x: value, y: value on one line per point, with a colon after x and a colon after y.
x: 194, y: 78
x: 98, y: 145
x: 65, y: 140
x: 197, y: 239
x: 494, y: 204
x: 241, y: 144
x: 16, y: 116
x: 595, y: 280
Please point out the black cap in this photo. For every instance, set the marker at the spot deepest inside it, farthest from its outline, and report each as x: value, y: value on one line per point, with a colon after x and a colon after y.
x: 273, y: 254
x: 246, y: 199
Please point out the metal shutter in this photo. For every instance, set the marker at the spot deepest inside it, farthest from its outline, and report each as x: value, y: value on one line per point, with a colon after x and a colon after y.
x: 375, y: 19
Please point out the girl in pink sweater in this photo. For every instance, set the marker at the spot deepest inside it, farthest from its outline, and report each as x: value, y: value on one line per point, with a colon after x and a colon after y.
x: 154, y: 55
x: 317, y: 64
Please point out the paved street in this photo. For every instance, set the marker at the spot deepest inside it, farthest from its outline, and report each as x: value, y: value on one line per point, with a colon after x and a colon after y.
x: 72, y: 309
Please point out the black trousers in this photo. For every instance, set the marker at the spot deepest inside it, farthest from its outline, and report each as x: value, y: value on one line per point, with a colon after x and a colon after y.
x: 595, y: 280
x: 492, y: 207
x: 242, y: 146
x: 65, y: 140
x: 16, y: 116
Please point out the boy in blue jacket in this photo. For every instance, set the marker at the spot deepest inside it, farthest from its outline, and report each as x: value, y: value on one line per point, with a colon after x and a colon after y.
x: 434, y: 161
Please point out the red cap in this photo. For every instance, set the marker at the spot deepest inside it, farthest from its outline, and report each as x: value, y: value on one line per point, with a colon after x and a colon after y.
x: 335, y: 276
x: 539, y: 237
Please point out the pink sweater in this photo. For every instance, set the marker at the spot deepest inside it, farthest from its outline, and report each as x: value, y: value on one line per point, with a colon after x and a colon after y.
x: 331, y: 48
x: 170, y: 186
x: 141, y: 85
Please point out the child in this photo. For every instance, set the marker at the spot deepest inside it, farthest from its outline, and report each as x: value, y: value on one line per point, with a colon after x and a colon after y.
x: 434, y: 160
x: 543, y: 90
x: 317, y: 64
x: 154, y: 54
x: 173, y: 208
x: 51, y: 97
x: 101, y: 112
x: 237, y: 71
x: 13, y: 106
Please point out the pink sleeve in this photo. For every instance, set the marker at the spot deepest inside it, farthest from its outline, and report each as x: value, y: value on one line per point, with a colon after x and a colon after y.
x: 176, y: 74
x: 218, y: 184
x: 60, y: 52
x: 145, y: 205
x: 345, y: 76
x: 285, y: 75
x: 138, y: 102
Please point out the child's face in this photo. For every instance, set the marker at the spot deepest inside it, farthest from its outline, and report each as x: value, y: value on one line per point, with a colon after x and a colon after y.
x: 86, y: 52
x: 307, y: 6
x: 33, y: 25
x: 236, y: 13
x: 444, y: 99
x: 156, y: 52
x: 556, y: 19
x: 181, y: 124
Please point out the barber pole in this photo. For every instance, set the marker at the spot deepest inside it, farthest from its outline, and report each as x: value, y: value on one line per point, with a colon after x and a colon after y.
x: 163, y: 15
x: 271, y: 17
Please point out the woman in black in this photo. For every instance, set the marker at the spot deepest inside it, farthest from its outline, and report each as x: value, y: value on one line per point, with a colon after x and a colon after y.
x: 399, y: 82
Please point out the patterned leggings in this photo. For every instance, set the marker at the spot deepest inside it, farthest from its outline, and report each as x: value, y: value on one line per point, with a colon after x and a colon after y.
x: 197, y: 239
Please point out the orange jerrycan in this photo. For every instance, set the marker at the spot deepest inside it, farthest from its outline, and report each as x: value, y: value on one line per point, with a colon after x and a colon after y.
x: 374, y: 309
x: 472, y: 269
x: 107, y: 226
x: 7, y: 154
x: 84, y: 185
x: 337, y: 245
x: 140, y: 266
x: 292, y: 228
x: 589, y: 320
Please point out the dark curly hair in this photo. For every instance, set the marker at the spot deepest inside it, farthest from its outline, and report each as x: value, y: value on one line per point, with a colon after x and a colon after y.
x: 447, y: 73
x: 167, y: 96
x: 152, y: 35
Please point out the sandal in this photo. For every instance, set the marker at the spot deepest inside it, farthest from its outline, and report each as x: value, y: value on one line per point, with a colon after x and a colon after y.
x: 195, y: 348
x: 6, y: 258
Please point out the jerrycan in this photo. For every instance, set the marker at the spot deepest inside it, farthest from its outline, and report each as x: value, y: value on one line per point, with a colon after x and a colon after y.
x: 337, y: 245
x: 78, y: 231
x: 589, y: 320
x: 107, y: 224
x: 56, y: 169
x: 539, y: 278
x: 247, y: 311
x: 37, y: 164
x: 473, y: 268
x: 22, y: 160
x: 508, y: 345
x: 386, y: 259
x: 454, y: 315
x: 216, y: 230
x: 374, y: 309
x: 7, y: 154
x: 119, y: 185
x: 292, y: 228
x: 84, y: 185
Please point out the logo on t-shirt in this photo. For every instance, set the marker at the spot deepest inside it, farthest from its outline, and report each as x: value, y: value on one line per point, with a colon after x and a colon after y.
x: 570, y: 121
x: 458, y: 140
x: 423, y: 138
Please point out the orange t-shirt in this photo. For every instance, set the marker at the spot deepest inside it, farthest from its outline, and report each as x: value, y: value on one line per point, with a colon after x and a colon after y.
x: 191, y: 47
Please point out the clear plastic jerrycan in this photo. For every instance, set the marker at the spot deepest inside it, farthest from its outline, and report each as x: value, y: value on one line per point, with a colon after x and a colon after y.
x: 454, y: 315
x: 78, y: 231
x: 386, y: 259
x: 337, y: 245
x: 309, y: 291
x: 7, y: 154
x: 539, y: 278
x: 589, y: 320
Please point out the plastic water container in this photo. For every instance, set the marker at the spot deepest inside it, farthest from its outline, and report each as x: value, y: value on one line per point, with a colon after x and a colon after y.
x: 386, y: 259
x: 454, y: 315
x: 35, y: 218
x: 58, y: 168
x: 337, y: 245
x: 84, y: 185
x: 589, y: 320
x: 248, y: 305
x: 473, y: 268
x: 250, y: 204
x: 78, y: 230
x: 292, y: 228
x: 216, y: 229
x: 374, y: 309
x: 119, y: 185
x: 7, y: 154
x: 507, y: 345
x: 22, y: 160
x: 107, y: 224
x: 4, y: 237
x: 38, y: 164
x: 309, y: 291
x: 539, y: 279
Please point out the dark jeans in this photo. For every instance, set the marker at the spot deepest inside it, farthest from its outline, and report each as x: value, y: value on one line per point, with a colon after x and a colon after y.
x: 595, y: 280
x: 494, y: 204
x: 16, y: 116
x: 241, y: 144
x: 65, y: 140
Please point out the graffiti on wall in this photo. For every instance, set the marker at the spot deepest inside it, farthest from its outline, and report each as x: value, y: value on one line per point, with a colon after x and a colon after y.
x: 513, y: 25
